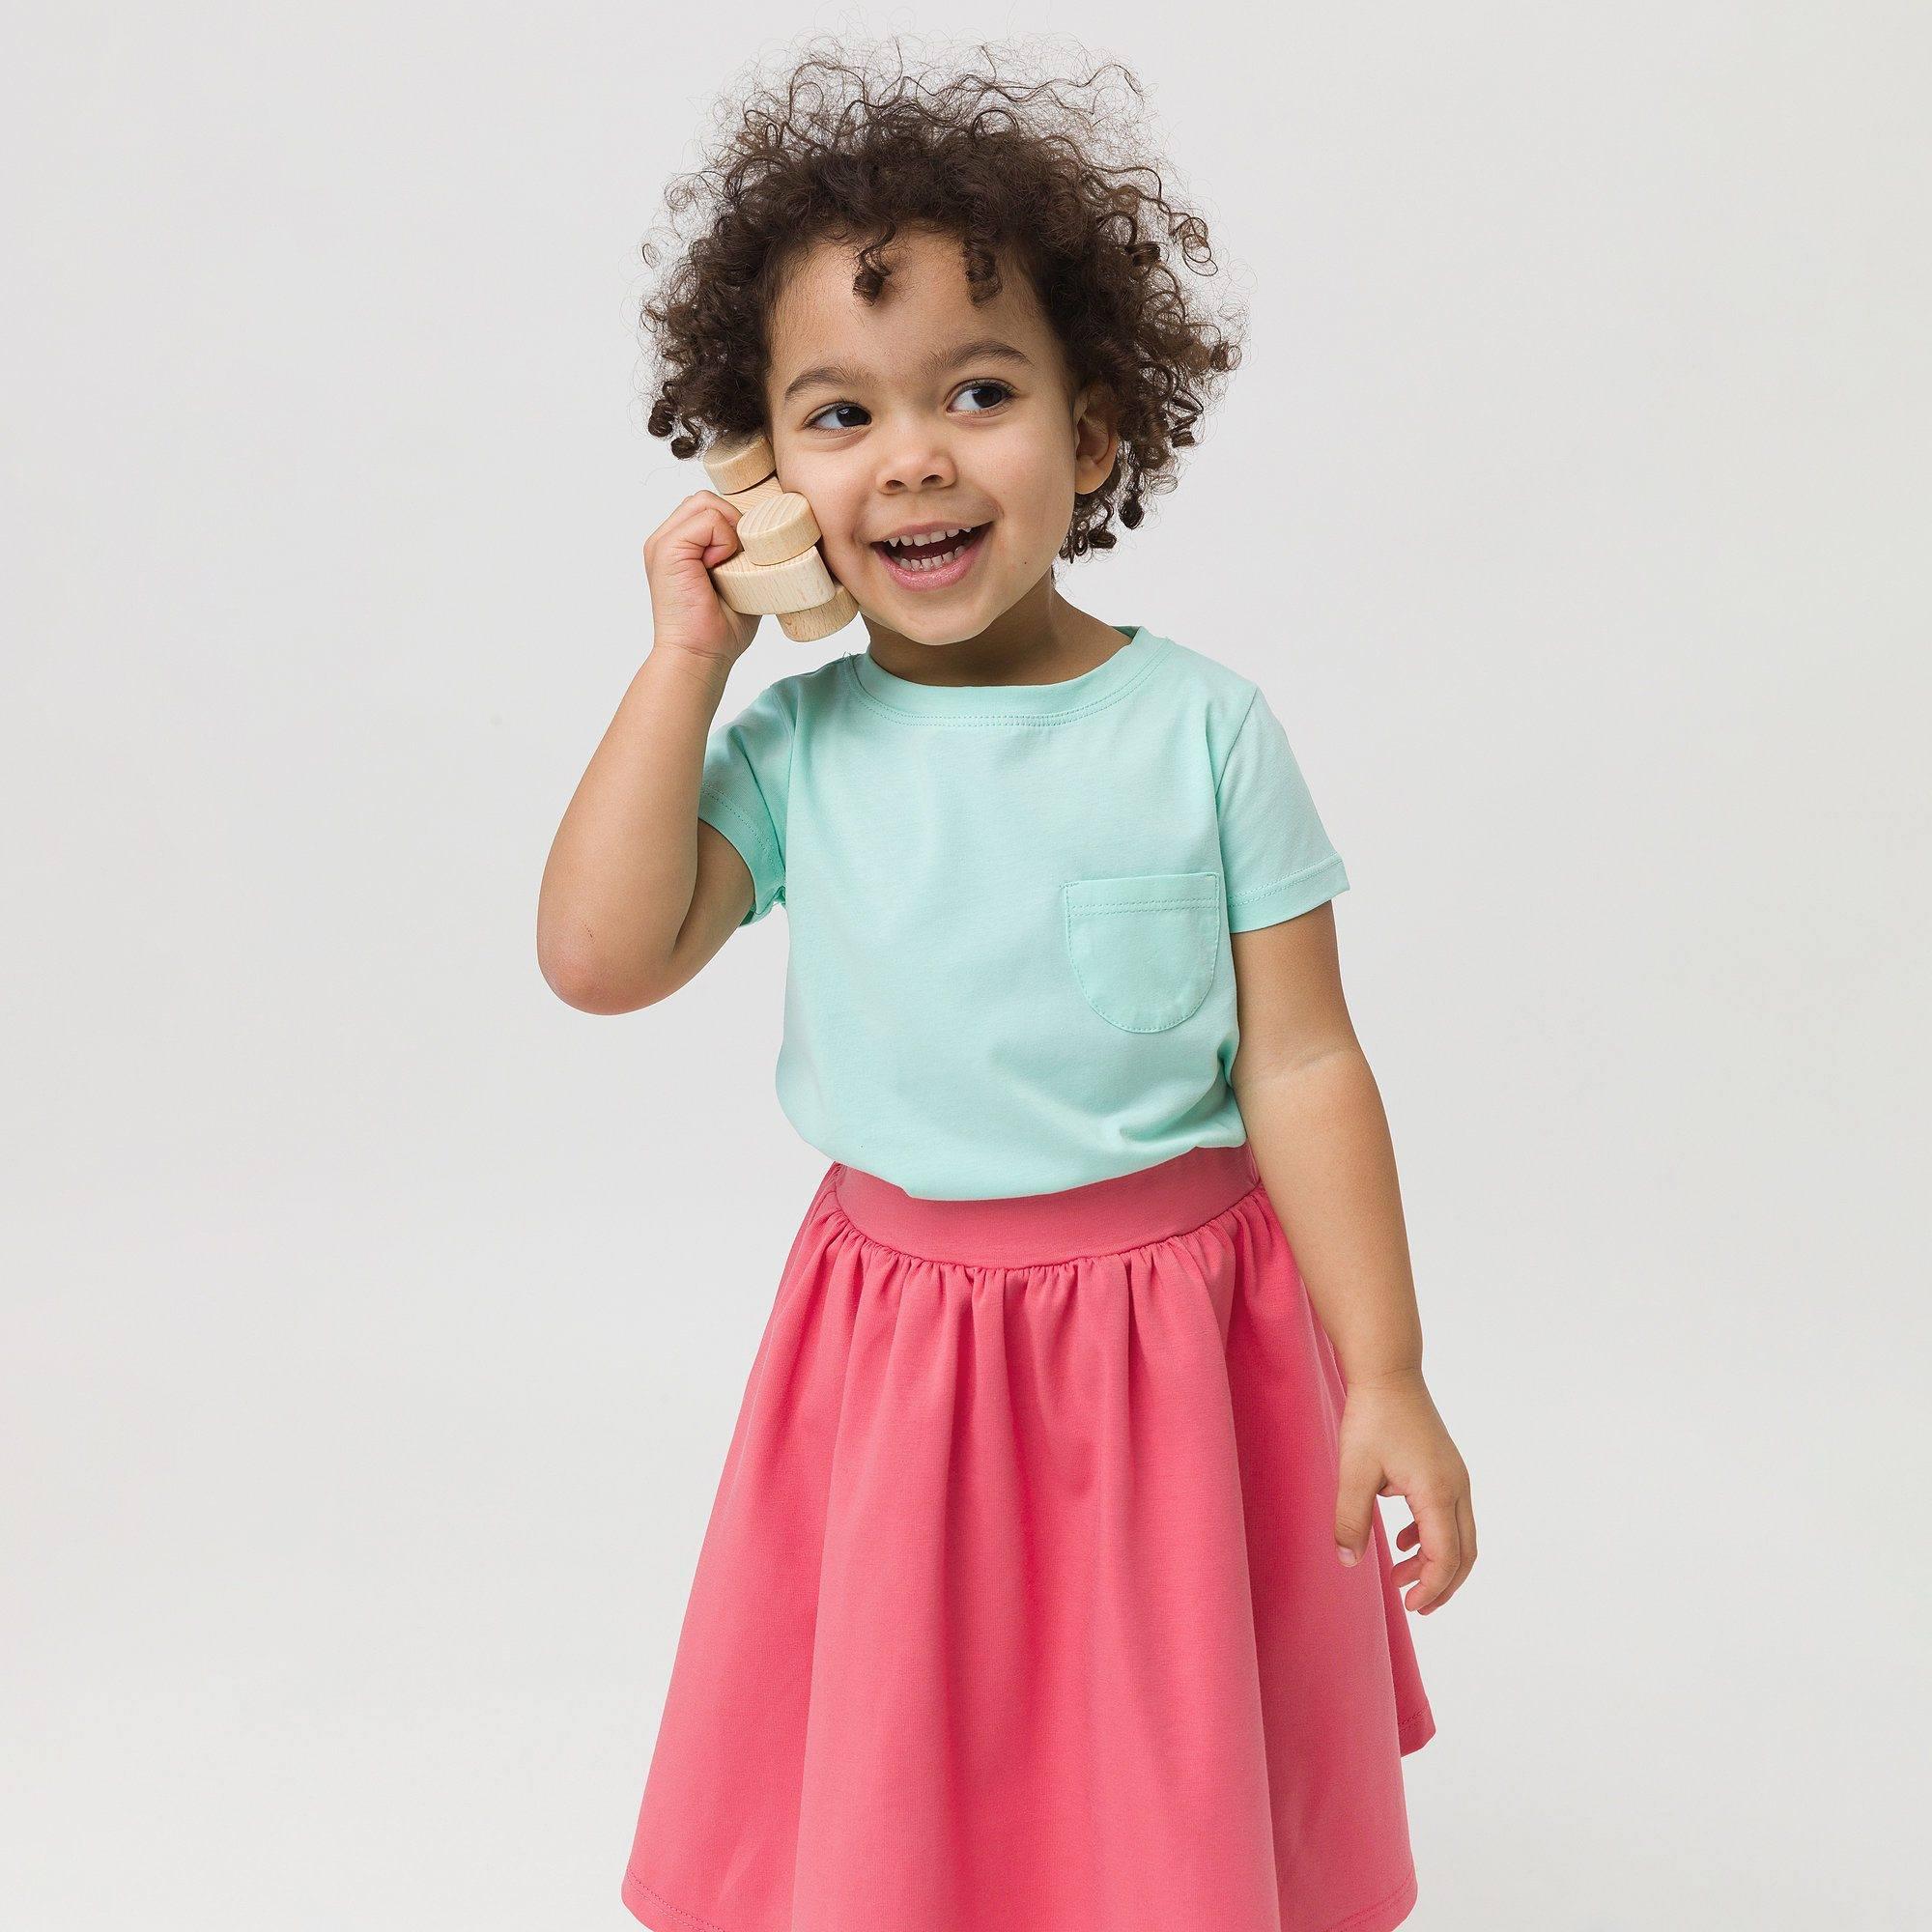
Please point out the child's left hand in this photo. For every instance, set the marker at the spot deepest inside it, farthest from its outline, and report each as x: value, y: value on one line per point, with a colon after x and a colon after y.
x: 1393, y: 1443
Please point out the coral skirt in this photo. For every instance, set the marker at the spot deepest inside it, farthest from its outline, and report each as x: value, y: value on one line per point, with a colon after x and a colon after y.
x: 1018, y: 1609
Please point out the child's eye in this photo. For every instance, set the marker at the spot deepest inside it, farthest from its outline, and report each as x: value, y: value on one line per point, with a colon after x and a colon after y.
x: 989, y: 383
x: 812, y: 420
x: 1003, y: 392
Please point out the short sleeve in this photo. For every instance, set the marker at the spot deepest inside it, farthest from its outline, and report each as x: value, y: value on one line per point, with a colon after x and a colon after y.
x: 1275, y: 854
x: 743, y: 790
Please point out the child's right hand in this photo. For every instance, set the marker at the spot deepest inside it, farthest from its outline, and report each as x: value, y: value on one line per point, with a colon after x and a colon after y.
x: 686, y: 612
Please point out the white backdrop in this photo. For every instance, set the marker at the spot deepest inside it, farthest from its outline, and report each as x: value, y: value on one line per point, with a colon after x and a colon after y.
x: 374, y: 1323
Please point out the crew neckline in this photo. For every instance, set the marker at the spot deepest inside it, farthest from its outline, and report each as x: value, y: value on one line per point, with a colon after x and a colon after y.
x: 1021, y: 704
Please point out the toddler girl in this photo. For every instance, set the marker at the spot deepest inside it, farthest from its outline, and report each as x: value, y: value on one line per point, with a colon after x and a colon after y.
x: 1044, y: 1588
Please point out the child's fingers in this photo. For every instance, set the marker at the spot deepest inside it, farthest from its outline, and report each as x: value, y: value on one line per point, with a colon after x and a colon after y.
x: 1466, y: 1516
x: 720, y: 533
x: 1441, y: 1534
x: 700, y: 533
x: 1406, y: 1571
x: 703, y: 524
x: 1407, y: 1538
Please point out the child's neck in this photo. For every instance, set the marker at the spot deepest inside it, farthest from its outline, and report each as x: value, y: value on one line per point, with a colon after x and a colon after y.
x: 1042, y: 640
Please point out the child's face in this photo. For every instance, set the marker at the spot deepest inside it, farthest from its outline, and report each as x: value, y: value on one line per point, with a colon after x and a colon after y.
x: 907, y: 433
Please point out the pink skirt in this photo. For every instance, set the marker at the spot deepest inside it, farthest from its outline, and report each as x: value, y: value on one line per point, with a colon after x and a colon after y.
x: 1018, y: 1609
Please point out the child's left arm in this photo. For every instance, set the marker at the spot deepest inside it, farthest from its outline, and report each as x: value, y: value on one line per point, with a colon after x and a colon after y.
x: 1321, y: 1139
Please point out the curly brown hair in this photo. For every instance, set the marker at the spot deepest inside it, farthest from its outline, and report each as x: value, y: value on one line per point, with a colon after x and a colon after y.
x: 838, y: 150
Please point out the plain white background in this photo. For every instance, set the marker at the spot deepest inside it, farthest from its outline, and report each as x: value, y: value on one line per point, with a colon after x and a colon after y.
x: 374, y: 1323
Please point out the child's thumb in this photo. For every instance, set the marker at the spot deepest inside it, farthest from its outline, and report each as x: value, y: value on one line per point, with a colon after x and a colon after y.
x: 1354, y: 1507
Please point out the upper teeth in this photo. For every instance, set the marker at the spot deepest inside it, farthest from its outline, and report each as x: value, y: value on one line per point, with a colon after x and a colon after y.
x: 931, y: 536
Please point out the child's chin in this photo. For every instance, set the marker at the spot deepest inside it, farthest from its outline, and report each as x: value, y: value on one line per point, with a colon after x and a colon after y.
x: 936, y: 632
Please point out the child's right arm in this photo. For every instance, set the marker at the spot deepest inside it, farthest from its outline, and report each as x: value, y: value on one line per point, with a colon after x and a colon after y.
x: 639, y: 892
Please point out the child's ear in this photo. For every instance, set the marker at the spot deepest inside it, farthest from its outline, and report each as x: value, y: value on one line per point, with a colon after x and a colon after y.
x: 1096, y: 439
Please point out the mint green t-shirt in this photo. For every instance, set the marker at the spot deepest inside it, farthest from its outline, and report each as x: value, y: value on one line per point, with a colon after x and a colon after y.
x: 1009, y: 908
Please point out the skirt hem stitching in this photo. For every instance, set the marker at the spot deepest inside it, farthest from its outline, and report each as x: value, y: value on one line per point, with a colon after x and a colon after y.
x: 637, y: 1894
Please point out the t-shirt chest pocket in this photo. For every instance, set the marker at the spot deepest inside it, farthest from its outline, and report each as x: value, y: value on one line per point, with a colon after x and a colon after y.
x: 1144, y: 948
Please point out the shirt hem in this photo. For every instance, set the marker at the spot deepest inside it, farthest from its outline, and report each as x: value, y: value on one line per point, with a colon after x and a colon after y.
x: 752, y: 845
x: 1290, y: 897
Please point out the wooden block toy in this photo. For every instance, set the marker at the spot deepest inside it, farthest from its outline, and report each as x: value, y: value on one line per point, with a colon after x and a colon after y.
x: 778, y: 571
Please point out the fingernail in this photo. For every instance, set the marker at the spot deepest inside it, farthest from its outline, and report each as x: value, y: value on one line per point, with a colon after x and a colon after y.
x: 1348, y: 1556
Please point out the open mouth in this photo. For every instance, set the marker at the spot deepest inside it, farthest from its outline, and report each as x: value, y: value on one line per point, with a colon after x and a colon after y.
x: 928, y: 565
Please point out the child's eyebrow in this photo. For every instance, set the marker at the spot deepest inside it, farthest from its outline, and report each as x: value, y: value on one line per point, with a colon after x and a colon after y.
x: 838, y: 375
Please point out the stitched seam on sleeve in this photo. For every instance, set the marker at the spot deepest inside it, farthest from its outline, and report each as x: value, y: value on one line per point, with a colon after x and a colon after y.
x: 791, y: 752
x: 1285, y: 889
x: 760, y: 839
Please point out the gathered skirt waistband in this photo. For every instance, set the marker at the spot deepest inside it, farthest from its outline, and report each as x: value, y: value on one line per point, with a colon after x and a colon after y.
x: 1125, y: 1210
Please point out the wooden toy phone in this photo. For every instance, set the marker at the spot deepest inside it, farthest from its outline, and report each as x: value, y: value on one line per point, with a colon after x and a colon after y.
x: 778, y: 571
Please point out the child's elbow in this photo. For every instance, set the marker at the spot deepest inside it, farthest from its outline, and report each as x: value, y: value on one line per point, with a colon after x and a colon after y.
x: 582, y: 981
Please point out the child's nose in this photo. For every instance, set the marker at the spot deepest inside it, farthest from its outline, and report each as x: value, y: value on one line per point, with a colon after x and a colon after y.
x: 918, y: 463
